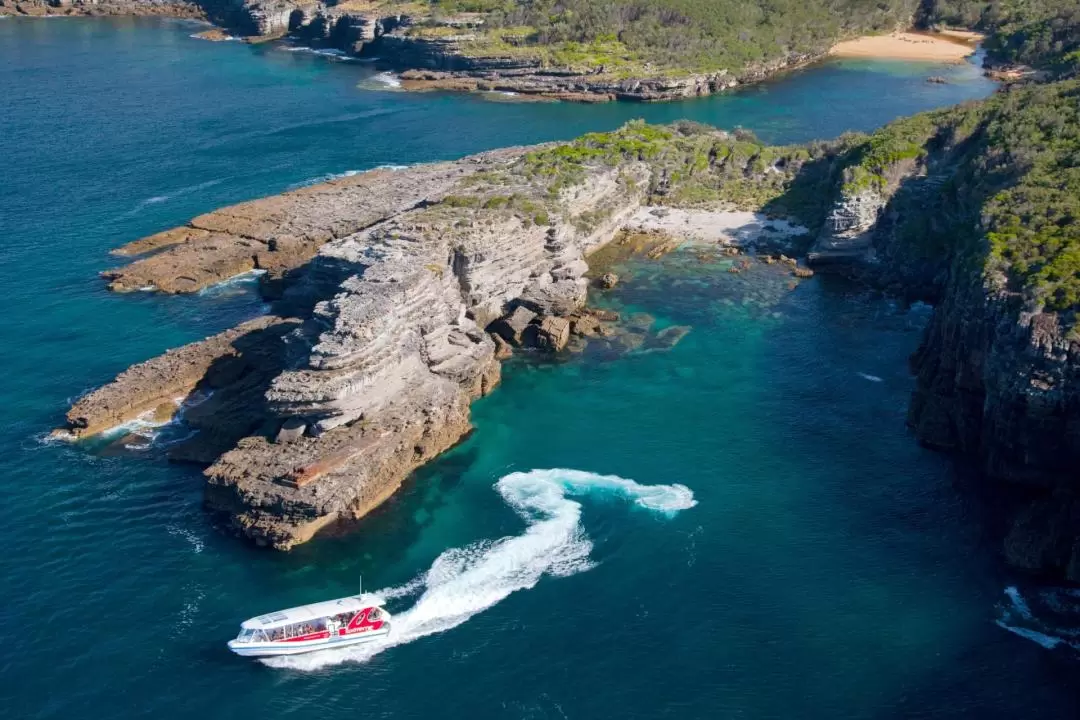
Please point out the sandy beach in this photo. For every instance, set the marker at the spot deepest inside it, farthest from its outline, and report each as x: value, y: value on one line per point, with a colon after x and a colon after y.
x: 941, y: 47
x: 708, y: 227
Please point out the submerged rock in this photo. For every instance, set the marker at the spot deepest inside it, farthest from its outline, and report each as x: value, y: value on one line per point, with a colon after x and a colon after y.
x: 669, y: 337
x: 608, y: 280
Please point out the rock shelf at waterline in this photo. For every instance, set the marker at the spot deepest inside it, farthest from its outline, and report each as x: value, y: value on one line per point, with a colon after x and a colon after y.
x: 465, y: 581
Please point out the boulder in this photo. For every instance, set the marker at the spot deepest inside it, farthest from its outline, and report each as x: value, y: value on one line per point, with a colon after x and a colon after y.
x: 608, y: 280
x: 802, y: 272
x: 585, y: 326
x: 559, y: 298
x: 511, y: 328
x: 503, y: 351
x: 553, y: 333
x: 291, y: 431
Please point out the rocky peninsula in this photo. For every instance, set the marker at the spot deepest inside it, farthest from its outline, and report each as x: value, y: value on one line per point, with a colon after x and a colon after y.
x: 571, y: 50
x: 397, y: 293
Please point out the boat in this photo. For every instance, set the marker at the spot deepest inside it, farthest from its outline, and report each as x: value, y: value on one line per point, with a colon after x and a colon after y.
x: 319, y: 626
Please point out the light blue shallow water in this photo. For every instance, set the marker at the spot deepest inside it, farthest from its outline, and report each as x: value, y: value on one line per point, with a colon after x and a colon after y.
x: 828, y: 570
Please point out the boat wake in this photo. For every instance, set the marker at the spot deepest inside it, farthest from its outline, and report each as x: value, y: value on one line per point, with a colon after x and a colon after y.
x: 1049, y: 617
x: 463, y: 582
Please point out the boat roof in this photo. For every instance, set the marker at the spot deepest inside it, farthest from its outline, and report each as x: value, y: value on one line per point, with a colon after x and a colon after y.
x: 314, y: 611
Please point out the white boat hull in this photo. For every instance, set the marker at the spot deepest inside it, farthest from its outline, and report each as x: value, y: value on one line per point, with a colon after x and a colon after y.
x: 285, y: 647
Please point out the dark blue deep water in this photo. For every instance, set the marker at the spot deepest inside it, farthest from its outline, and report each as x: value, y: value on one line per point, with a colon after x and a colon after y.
x: 829, y: 569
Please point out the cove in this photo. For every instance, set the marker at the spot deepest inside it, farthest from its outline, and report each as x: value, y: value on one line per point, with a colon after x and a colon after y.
x: 829, y: 568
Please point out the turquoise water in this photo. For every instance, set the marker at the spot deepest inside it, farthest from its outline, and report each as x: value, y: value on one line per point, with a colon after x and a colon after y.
x: 828, y: 570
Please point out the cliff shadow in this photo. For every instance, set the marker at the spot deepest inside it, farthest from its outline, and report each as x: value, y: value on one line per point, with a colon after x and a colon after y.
x: 229, y: 402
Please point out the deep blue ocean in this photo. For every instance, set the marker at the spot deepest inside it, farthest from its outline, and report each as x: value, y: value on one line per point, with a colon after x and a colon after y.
x: 830, y: 567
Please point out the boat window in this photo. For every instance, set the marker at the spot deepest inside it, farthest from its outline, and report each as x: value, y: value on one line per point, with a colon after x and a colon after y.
x: 246, y: 635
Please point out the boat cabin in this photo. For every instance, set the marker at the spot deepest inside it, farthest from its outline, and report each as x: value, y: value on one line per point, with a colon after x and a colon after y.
x: 318, y: 621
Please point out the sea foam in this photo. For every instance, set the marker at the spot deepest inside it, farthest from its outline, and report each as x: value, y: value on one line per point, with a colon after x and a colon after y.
x: 338, y: 176
x: 463, y: 582
x: 388, y: 79
x: 1047, y: 616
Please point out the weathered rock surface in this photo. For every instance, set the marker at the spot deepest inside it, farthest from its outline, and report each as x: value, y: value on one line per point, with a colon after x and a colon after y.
x: 278, y: 233
x: 167, y: 8
x: 215, y: 362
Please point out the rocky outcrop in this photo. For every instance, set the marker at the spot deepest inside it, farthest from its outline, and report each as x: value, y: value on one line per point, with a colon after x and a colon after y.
x: 316, y: 420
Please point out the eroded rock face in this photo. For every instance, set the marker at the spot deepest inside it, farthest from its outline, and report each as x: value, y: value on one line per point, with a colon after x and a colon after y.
x: 1004, y: 388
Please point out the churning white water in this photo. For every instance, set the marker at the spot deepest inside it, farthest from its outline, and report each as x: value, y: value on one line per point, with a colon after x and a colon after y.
x: 465, y: 581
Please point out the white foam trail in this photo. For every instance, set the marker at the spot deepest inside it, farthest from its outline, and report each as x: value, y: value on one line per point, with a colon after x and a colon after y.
x: 465, y: 581
x: 388, y: 79
x: 871, y: 378
x: 324, y: 52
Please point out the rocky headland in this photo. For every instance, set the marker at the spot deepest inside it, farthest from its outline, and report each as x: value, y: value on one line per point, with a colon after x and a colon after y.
x: 397, y: 295
x: 403, y: 291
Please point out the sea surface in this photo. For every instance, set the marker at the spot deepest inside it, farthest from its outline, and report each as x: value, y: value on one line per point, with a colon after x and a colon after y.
x: 736, y: 527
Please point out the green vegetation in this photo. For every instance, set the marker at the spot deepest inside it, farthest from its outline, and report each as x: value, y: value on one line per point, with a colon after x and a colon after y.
x: 694, y: 165
x: 658, y: 37
x: 624, y: 38
x: 991, y: 187
x: 1042, y: 33
x: 999, y: 191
